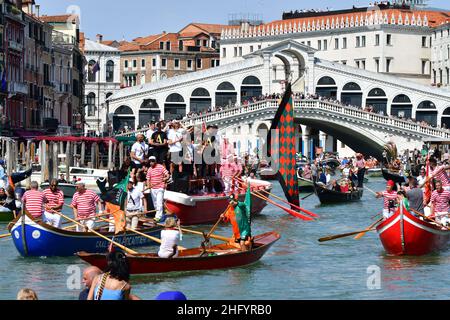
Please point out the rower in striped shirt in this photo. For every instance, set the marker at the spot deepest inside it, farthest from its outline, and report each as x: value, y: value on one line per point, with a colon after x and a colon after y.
x: 390, y: 199
x: 54, y: 204
x: 157, y: 177
x: 84, y: 204
x: 440, y: 173
x: 440, y: 199
x: 34, y: 200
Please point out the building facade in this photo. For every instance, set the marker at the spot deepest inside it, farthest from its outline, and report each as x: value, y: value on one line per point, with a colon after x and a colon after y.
x: 392, y: 39
x: 100, y: 85
x: 440, y: 76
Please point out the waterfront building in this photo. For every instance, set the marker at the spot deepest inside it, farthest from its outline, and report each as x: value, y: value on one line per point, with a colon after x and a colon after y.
x: 3, y: 88
x: 100, y: 85
x: 440, y: 76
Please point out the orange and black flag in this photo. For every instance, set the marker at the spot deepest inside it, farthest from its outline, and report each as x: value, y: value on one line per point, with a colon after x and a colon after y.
x: 281, y: 147
x: 17, y: 177
x: 115, y: 199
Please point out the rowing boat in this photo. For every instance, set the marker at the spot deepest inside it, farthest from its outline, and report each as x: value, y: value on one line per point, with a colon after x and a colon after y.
x: 34, y: 238
x: 327, y: 196
x: 394, y: 176
x: 406, y: 234
x: 222, y: 256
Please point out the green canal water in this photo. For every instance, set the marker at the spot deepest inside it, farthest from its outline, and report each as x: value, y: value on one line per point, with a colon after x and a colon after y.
x: 297, y: 267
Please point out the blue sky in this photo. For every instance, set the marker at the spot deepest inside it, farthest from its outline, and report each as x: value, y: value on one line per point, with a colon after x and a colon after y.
x: 133, y: 18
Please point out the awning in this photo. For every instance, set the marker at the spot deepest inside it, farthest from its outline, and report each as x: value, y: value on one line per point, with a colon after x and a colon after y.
x: 25, y: 134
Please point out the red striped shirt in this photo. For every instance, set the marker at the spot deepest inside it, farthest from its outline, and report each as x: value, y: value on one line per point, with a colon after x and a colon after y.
x: 227, y: 170
x: 440, y: 200
x: 85, y: 203
x: 34, y: 201
x: 156, y: 176
x: 440, y: 174
x: 54, y: 198
x: 388, y: 196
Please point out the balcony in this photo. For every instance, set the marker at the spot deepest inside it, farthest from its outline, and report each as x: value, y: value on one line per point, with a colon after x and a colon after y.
x: 14, y: 45
x: 18, y: 88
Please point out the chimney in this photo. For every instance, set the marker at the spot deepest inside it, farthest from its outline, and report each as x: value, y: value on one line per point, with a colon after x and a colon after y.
x: 37, y: 9
x: 99, y: 38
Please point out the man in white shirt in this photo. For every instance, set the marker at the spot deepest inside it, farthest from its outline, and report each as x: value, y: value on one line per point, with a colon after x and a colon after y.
x: 139, y: 152
x: 151, y: 130
x: 135, y: 204
x: 175, y: 136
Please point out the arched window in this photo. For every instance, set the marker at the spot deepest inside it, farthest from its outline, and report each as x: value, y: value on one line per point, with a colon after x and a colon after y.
x: 149, y: 112
x: 225, y: 86
x: 123, y: 118
x: 445, y: 122
x: 351, y: 86
x: 251, y: 80
x: 351, y: 94
x: 251, y: 87
x: 109, y: 94
x: 401, y: 107
x: 200, y: 92
x: 110, y: 71
x: 175, y: 107
x: 377, y: 92
x: 124, y: 110
x: 427, y: 112
x: 326, y: 81
x: 175, y: 97
x: 90, y: 102
x: 91, y: 74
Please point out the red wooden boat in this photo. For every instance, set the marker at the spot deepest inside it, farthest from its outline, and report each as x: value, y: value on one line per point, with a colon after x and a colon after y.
x: 203, y: 209
x: 222, y: 256
x: 405, y: 234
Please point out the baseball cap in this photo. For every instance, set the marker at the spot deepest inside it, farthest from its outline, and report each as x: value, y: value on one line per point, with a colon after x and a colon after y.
x: 152, y: 158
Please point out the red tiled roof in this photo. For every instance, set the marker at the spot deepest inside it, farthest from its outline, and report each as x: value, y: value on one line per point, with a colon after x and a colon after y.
x: 210, y: 28
x: 57, y: 19
x: 129, y: 46
x: 148, y: 39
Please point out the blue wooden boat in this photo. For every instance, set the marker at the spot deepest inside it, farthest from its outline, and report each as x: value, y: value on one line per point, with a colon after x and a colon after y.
x: 37, y: 239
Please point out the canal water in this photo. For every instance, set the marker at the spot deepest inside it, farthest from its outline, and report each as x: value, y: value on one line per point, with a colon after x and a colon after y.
x: 297, y: 267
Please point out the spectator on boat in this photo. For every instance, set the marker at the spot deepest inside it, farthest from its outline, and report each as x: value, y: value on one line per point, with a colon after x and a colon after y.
x: 54, y: 204
x: 74, y: 180
x: 335, y: 186
x: 211, y: 154
x: 421, y: 179
x: 361, y: 169
x: 238, y: 214
x: 62, y: 178
x: 89, y: 275
x: 10, y: 202
x: 440, y: 199
x: 27, y: 294
x: 415, y: 196
x: 390, y: 199
x: 159, y: 143
x: 440, y: 173
x: 136, y: 202
x: 227, y: 172
x: 314, y: 171
x: 3, y: 196
x: 157, y: 177
x: 138, y: 152
x: 322, y: 177
x: 148, y: 135
x: 84, y: 203
x: 175, y: 136
x: 34, y: 200
x: 344, y: 186
x: 113, y: 284
x: 307, y: 172
x: 170, y: 238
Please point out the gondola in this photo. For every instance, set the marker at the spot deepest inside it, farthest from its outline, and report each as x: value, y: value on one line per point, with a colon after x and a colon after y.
x: 390, y: 175
x: 34, y: 238
x: 222, y: 256
x: 406, y: 234
x: 305, y: 185
x: 327, y: 196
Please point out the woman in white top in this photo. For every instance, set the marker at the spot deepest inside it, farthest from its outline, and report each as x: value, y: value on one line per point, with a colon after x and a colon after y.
x: 170, y: 237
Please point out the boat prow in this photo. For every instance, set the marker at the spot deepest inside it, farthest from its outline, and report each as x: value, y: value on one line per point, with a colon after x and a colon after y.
x: 406, y: 234
x: 222, y: 256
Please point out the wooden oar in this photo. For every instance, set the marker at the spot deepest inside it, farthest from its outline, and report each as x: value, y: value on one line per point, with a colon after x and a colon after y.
x: 370, y: 190
x: 128, y: 250
x: 213, y: 236
x: 144, y: 235
x: 338, y: 236
x: 362, y: 234
x: 428, y: 218
x: 290, y: 211
x: 309, y: 195
x: 291, y: 204
x: 5, y: 235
